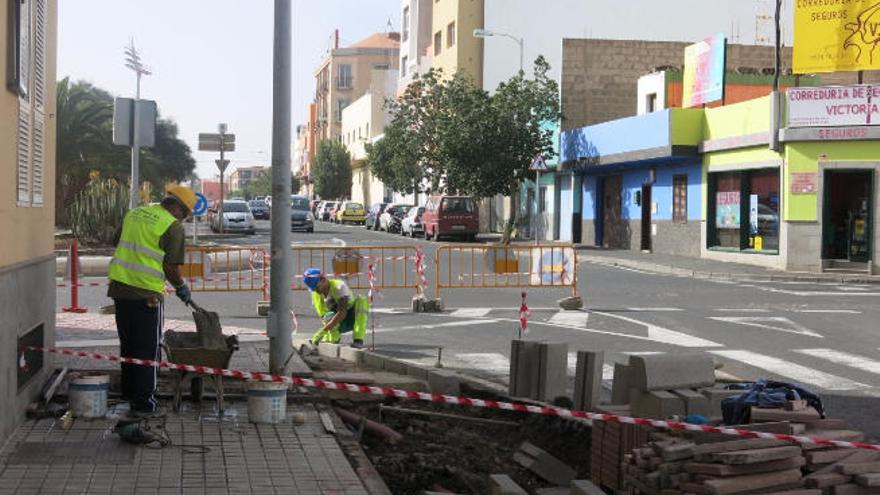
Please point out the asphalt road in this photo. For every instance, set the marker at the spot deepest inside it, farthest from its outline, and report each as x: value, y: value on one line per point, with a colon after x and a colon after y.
x: 824, y: 336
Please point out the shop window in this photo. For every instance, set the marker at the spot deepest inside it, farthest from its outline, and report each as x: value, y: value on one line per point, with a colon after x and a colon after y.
x: 679, y: 198
x: 764, y: 210
x: 744, y: 210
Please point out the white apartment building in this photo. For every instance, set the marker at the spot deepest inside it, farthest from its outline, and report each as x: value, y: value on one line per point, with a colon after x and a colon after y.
x: 415, y: 40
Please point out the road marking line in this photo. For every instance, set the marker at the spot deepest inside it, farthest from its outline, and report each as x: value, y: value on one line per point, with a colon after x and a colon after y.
x: 741, y: 310
x: 470, y: 312
x: 665, y: 335
x: 810, y: 293
x: 833, y: 311
x: 570, y: 318
x: 793, y: 371
x: 646, y: 310
x: 642, y: 353
x: 778, y: 323
x: 462, y: 323
x: 844, y: 358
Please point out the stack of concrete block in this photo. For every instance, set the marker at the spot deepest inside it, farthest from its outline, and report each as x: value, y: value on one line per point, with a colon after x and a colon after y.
x: 538, y: 370
x: 666, y: 385
x: 844, y: 472
x: 719, y: 468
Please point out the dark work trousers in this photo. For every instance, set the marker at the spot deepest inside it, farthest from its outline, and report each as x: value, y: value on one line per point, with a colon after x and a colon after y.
x: 140, y: 331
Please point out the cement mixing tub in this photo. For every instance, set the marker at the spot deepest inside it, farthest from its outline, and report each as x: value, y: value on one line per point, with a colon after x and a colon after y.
x: 186, y: 348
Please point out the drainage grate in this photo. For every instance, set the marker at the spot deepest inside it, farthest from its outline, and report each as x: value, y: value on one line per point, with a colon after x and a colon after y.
x: 111, y: 452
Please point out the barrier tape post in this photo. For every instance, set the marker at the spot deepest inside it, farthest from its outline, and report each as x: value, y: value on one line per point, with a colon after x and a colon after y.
x: 73, y: 263
x: 460, y: 400
x: 524, y: 314
x: 372, y: 277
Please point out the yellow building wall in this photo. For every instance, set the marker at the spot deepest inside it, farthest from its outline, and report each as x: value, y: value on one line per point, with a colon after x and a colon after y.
x: 467, y: 52
x: 27, y: 233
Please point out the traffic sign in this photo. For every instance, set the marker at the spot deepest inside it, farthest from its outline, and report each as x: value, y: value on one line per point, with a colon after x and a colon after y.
x: 214, y: 142
x: 201, y: 205
x: 539, y: 164
x: 222, y: 164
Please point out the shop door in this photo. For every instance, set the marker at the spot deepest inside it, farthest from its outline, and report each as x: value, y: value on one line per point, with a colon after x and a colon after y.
x: 847, y: 215
x: 646, y: 217
x: 613, y: 234
x: 565, y: 208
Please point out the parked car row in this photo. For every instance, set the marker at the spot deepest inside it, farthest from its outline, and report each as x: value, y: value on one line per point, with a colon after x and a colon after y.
x: 442, y: 216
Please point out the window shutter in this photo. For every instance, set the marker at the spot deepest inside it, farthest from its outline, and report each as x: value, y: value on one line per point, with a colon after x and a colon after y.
x: 23, y: 155
x: 37, y: 157
x: 39, y: 53
x: 38, y: 128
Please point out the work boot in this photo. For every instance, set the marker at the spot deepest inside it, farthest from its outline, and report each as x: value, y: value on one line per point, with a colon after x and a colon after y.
x: 357, y: 343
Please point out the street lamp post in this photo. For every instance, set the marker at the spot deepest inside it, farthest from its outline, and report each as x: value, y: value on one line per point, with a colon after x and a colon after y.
x: 486, y: 33
x: 133, y: 62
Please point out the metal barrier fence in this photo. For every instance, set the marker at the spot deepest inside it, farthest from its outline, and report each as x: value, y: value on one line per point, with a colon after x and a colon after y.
x: 389, y: 267
x: 226, y: 269
x: 505, y: 266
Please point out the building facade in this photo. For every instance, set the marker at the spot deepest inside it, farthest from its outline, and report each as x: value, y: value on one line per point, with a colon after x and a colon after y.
x: 241, y: 177
x: 344, y: 76
x: 364, y: 122
x: 453, y: 45
x: 415, y: 40
x: 27, y: 204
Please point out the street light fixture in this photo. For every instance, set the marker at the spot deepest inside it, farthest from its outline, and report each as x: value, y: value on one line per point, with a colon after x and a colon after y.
x: 485, y: 33
x: 133, y: 62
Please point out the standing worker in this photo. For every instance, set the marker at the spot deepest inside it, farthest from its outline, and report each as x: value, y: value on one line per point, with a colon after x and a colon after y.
x: 338, y: 308
x: 150, y: 250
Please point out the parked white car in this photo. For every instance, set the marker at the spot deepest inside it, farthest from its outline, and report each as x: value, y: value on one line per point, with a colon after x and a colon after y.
x: 386, y: 221
x: 411, y: 224
x: 237, y: 217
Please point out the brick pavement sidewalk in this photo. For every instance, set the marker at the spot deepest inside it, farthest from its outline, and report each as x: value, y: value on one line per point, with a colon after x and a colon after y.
x: 206, y: 456
x: 47, y: 457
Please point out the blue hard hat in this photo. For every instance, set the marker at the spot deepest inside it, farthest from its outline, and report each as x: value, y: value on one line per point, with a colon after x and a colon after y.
x: 311, y: 277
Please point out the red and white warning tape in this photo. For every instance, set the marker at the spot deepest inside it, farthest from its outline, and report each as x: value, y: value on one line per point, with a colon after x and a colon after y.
x: 457, y: 400
x: 420, y: 268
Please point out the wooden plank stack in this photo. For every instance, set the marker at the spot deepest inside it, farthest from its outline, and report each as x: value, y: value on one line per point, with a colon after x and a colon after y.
x: 720, y: 468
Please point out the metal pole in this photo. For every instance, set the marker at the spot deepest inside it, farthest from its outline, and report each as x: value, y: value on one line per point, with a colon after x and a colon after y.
x: 135, y: 149
x: 539, y: 218
x: 222, y: 168
x: 279, y: 325
x: 776, y: 101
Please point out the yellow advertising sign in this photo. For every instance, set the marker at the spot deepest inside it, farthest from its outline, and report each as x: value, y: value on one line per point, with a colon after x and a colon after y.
x: 833, y: 35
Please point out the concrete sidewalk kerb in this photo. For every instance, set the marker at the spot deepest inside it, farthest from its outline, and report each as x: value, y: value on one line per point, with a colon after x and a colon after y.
x: 724, y: 270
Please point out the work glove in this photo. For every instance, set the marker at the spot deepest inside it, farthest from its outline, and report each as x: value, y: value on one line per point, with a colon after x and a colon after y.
x: 183, y: 293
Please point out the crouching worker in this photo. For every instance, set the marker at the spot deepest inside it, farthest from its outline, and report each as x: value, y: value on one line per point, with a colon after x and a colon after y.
x: 339, y: 309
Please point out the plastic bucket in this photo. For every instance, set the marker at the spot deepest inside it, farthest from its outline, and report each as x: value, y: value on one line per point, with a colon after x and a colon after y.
x: 267, y: 402
x: 87, y: 395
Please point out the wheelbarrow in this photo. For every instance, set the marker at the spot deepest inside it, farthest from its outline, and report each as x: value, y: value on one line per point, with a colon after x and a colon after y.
x: 207, y: 347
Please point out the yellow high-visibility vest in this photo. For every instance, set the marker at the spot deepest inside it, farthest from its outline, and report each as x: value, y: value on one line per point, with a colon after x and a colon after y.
x: 138, y: 258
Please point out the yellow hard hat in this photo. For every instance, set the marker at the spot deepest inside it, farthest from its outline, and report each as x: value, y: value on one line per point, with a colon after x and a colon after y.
x: 183, y: 194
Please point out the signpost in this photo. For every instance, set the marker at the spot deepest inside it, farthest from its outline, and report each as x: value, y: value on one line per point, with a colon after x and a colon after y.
x: 222, y: 142
x: 199, y: 209
x: 538, y: 165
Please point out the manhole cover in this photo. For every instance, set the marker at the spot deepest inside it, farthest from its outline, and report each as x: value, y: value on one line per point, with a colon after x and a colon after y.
x: 111, y: 452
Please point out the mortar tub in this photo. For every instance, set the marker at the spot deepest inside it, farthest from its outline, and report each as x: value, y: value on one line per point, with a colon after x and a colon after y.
x: 267, y: 402
x: 87, y: 395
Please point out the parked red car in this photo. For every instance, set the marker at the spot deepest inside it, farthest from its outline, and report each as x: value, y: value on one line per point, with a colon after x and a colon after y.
x: 451, y: 216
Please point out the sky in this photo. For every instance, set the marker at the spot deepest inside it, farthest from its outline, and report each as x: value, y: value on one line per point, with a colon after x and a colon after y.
x: 212, y: 59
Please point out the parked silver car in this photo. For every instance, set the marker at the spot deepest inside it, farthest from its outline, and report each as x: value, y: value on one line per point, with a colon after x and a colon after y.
x: 237, y: 217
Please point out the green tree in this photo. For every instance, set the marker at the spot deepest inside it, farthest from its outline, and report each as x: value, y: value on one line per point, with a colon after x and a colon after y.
x: 455, y: 137
x: 84, y: 144
x: 332, y: 170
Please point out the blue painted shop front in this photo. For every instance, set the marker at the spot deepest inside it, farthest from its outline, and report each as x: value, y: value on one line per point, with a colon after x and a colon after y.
x: 641, y: 182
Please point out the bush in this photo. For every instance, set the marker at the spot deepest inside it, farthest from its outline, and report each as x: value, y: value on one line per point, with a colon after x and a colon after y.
x: 98, y: 210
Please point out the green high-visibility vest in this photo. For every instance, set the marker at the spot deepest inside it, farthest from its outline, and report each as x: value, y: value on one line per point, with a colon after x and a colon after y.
x: 138, y: 258
x: 318, y: 300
